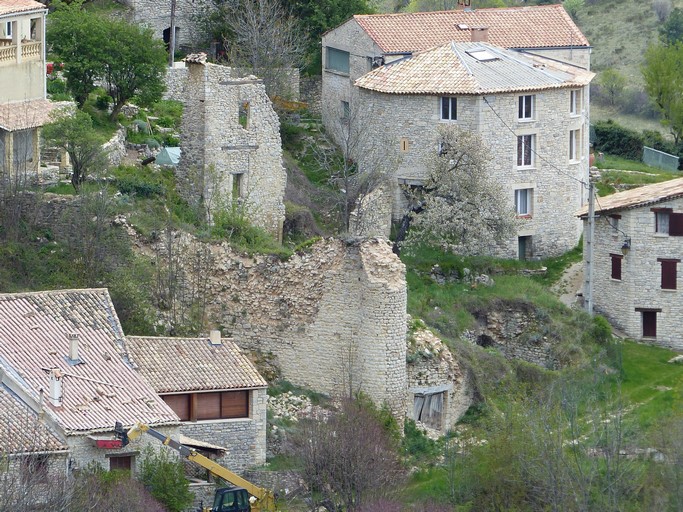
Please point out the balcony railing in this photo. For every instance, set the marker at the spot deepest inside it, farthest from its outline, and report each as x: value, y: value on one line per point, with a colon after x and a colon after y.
x: 30, y: 50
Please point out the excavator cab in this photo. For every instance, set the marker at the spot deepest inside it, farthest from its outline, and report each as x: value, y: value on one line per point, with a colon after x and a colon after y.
x: 231, y: 499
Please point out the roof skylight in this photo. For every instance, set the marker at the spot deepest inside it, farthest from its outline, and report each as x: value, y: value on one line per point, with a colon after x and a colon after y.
x: 482, y: 55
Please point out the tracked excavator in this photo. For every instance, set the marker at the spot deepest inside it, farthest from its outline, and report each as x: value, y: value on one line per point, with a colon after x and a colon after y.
x: 241, y: 496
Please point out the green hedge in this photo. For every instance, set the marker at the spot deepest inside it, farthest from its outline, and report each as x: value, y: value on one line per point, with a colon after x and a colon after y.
x: 617, y: 140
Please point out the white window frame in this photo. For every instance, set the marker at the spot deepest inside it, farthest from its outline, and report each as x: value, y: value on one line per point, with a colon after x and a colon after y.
x: 452, y: 103
x: 522, y: 144
x: 575, y: 102
x: 662, y: 222
x: 524, y: 202
x: 527, y: 101
x: 574, y: 145
x: 8, y: 29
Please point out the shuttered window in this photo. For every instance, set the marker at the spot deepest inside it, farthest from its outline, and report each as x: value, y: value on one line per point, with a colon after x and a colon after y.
x: 616, y: 266
x: 668, y: 273
x: 210, y: 406
x: 121, y: 463
x: 676, y: 224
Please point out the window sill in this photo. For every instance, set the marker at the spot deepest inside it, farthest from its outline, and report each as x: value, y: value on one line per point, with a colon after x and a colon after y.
x: 526, y: 120
x: 661, y: 235
x: 448, y: 120
x: 669, y: 290
x: 526, y: 168
x: 616, y: 280
x: 336, y: 72
x: 574, y: 115
x: 525, y: 216
x: 574, y: 162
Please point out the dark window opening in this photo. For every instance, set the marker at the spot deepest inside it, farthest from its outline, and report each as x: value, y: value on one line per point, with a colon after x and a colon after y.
x: 124, y: 463
x: 649, y: 324
x: 616, y: 266
x: 525, y: 250
x: 449, y: 109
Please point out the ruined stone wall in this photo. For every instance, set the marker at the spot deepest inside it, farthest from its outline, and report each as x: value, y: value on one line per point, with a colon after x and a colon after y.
x: 231, y: 148
x: 311, y: 93
x: 334, y: 317
x: 156, y: 15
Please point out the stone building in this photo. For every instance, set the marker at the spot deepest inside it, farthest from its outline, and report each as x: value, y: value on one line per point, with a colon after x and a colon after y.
x: 530, y: 112
x: 366, y: 42
x: 214, y: 389
x: 23, y: 104
x: 637, y: 246
x: 230, y: 141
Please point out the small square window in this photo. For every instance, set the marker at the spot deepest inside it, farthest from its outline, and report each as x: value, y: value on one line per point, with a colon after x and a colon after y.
x: 526, y: 107
x: 525, y: 150
x: 449, y: 108
x: 523, y: 198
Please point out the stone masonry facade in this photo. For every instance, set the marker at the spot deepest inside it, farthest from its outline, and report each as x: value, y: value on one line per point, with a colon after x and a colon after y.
x: 231, y: 147
x: 555, y: 181
x: 156, y: 15
x: 624, y: 301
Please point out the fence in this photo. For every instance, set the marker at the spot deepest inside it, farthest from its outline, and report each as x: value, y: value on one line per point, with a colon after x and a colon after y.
x: 660, y: 159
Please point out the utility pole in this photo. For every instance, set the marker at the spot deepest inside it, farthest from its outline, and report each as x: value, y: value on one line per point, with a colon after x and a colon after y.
x: 171, y: 36
x: 588, y: 283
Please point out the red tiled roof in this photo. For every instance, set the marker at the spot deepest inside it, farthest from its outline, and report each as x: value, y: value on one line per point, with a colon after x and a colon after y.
x: 22, y: 115
x: 453, y: 69
x: 103, y: 388
x: 12, y: 6
x: 636, y: 197
x: 192, y: 364
x: 537, y: 26
x: 20, y: 429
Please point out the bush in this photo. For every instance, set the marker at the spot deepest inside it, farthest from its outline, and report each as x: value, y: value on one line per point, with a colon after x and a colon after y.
x: 601, y: 331
x: 616, y: 140
x: 163, y: 474
x: 103, y: 101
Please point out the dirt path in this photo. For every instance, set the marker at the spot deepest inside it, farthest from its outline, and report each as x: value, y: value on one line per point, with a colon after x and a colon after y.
x: 570, y: 284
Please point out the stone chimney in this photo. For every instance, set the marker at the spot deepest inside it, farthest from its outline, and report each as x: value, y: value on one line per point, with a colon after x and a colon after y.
x: 215, y: 337
x: 73, y: 346
x: 56, y: 392
x: 479, y: 34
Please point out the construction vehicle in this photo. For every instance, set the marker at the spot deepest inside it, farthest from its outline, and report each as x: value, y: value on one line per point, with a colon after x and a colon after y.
x: 242, y: 496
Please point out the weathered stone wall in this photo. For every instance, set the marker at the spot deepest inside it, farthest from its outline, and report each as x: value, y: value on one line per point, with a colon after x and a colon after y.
x: 115, y: 148
x: 156, y: 15
x: 220, y: 156
x: 641, y: 273
x: 555, y: 180
x: 244, y: 438
x: 311, y: 93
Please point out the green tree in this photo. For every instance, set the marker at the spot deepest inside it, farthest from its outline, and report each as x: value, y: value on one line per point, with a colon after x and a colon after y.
x: 163, y: 474
x: 127, y: 58
x: 671, y: 30
x: 573, y: 7
x: 613, y: 84
x: 663, y: 75
x: 73, y: 132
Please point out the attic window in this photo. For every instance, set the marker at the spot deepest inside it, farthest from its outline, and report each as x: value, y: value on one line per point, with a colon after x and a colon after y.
x: 482, y: 55
x: 462, y: 26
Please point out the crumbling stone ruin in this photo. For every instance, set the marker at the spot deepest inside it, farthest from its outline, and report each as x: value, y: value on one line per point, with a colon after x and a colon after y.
x: 230, y: 139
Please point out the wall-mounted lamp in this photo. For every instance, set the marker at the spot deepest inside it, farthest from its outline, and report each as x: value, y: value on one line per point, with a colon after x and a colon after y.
x: 626, y: 247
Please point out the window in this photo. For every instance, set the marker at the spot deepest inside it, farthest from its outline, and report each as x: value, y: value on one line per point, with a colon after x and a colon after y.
x: 345, y: 110
x: 338, y: 60
x: 667, y: 222
x: 236, y: 186
x: 523, y: 198
x: 614, y: 222
x: 209, y: 406
x: 404, y: 145
x: 668, y: 273
x: 525, y: 150
x: 124, y: 463
x: 574, y: 102
x: 8, y: 29
x: 243, y: 114
x: 22, y: 144
x: 574, y: 145
x: 449, y: 108
x: 616, y: 266
x: 526, y: 107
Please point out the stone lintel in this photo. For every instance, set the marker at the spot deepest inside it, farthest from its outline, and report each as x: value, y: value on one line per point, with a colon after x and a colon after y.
x: 242, y: 81
x: 240, y: 147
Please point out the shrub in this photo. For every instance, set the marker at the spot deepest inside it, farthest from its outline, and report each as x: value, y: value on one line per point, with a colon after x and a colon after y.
x: 601, y: 331
x: 163, y: 474
x: 662, y: 9
x: 616, y: 140
x: 103, y: 101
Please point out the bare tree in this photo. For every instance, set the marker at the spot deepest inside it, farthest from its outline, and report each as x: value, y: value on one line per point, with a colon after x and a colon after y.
x: 460, y: 208
x: 348, y: 459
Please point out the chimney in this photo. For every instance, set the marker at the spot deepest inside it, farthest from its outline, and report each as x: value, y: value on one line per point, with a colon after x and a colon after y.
x: 215, y: 337
x: 56, y: 392
x: 480, y: 34
x: 73, y: 346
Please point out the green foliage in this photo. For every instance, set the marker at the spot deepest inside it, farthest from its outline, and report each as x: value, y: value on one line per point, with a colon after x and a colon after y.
x: 613, y: 83
x: 231, y: 225
x: 163, y: 474
x: 282, y: 386
x: 617, y: 140
x: 601, y: 331
x: 129, y: 60
x: 573, y: 7
x: 416, y: 445
x: 663, y: 75
x: 671, y: 31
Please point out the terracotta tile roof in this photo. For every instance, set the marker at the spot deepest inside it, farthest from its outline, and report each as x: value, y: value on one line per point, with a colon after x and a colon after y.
x: 20, y: 429
x: 22, y: 115
x: 103, y: 387
x: 454, y: 69
x: 191, y: 364
x: 538, y: 26
x: 12, y: 6
x: 637, y: 197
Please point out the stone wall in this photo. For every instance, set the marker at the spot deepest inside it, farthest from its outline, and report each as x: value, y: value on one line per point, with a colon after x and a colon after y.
x: 557, y: 193
x: 231, y: 148
x: 156, y: 15
x: 640, y: 283
x: 244, y: 438
x: 310, y: 88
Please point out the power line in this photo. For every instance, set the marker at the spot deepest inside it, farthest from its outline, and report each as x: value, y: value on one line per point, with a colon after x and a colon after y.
x: 540, y: 157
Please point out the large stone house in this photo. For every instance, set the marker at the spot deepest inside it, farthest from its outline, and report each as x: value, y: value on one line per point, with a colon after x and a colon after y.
x: 530, y: 112
x: 23, y: 104
x: 366, y: 42
x: 214, y: 389
x: 637, y: 247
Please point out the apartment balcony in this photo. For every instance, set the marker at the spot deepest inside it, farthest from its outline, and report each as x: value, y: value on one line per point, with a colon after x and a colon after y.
x: 30, y: 50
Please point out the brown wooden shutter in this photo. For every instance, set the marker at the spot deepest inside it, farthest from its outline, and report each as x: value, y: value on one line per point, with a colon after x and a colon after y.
x: 668, y: 273
x: 180, y: 405
x: 121, y: 463
x: 649, y: 324
x: 208, y: 406
x: 676, y: 224
x: 616, y: 265
x: 235, y: 404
